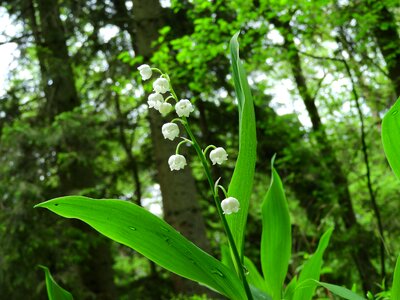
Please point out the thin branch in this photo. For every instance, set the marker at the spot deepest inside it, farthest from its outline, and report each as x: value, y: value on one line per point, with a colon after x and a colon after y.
x: 368, y: 175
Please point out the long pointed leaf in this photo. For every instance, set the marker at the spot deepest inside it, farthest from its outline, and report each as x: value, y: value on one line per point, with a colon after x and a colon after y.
x: 341, y: 291
x: 54, y: 291
x: 276, y: 238
x: 391, y: 137
x: 395, y: 293
x: 259, y: 294
x: 254, y: 277
x: 312, y: 269
x: 133, y: 226
x: 241, y: 183
x: 290, y: 288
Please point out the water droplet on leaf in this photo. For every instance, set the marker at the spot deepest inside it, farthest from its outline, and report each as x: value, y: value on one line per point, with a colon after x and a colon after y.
x: 395, y: 112
x: 132, y: 228
x: 218, y: 272
x: 164, y: 229
x: 245, y: 270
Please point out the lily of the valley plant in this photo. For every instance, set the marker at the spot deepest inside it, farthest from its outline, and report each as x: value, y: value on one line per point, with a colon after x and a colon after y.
x: 235, y: 276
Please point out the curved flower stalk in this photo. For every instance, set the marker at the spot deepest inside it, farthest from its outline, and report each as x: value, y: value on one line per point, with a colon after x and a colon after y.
x: 218, y: 155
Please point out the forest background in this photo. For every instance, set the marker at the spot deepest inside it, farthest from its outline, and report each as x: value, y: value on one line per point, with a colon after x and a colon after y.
x: 74, y: 120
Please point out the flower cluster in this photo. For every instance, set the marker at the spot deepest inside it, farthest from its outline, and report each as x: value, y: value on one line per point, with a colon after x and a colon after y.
x: 170, y: 131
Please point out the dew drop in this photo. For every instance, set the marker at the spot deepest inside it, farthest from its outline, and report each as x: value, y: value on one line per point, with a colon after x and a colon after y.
x: 132, y: 228
x: 218, y: 272
x: 165, y: 229
x: 245, y: 270
x: 395, y: 112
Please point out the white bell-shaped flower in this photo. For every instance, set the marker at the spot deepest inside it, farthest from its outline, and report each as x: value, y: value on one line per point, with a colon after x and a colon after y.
x: 161, y: 85
x: 184, y: 107
x: 218, y: 155
x: 145, y: 71
x: 170, y: 131
x: 177, y: 162
x: 155, y: 100
x: 165, y: 108
x: 230, y: 205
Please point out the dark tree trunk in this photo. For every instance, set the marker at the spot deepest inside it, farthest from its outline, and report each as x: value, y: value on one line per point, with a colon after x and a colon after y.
x: 388, y: 41
x: 61, y: 96
x: 368, y: 274
x: 179, y: 195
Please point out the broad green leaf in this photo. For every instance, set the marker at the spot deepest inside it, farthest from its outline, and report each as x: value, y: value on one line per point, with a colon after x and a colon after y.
x: 391, y: 137
x: 312, y: 269
x: 254, y: 277
x: 340, y: 291
x: 241, y: 183
x: 395, y: 293
x: 54, y: 291
x: 135, y: 227
x: 276, y: 238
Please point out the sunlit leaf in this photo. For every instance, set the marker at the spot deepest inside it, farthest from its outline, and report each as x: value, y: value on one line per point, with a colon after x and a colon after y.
x: 54, y: 291
x: 395, y: 292
x: 276, y: 238
x: 391, y: 137
x: 312, y: 270
x: 135, y: 227
x: 241, y: 183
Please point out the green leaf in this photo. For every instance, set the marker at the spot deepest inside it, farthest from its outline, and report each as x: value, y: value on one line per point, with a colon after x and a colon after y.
x: 258, y: 294
x: 226, y: 257
x: 290, y: 288
x: 254, y: 277
x: 340, y: 291
x: 135, y: 227
x: 312, y: 269
x: 395, y: 293
x: 241, y: 183
x: 54, y: 291
x: 391, y: 137
x: 276, y: 238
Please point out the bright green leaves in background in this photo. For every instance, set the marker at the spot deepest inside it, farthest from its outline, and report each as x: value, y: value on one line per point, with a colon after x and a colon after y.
x: 276, y: 239
x: 312, y: 270
x: 241, y: 184
x: 54, y: 291
x: 135, y: 227
x: 391, y: 137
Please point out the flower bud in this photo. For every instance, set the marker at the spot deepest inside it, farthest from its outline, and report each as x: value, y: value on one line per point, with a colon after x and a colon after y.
x: 218, y: 155
x: 170, y: 131
x: 184, y: 107
x: 155, y: 100
x: 165, y: 108
x: 230, y: 205
x: 161, y: 85
x: 145, y: 71
x: 177, y: 162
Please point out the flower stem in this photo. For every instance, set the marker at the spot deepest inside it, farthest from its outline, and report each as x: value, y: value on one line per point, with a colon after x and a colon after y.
x: 219, y: 209
x: 217, y: 200
x: 208, y: 147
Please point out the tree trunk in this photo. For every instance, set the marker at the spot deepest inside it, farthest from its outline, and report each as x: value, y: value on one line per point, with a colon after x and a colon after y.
x: 388, y: 41
x: 368, y: 274
x: 61, y: 96
x: 180, y: 204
